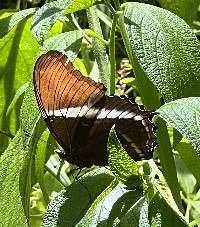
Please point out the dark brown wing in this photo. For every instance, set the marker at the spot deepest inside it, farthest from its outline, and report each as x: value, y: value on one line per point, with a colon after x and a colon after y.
x: 132, y: 125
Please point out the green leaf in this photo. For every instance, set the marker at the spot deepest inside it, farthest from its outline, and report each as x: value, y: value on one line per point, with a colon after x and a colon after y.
x: 190, y: 158
x: 147, y: 90
x: 99, y: 48
x: 18, y: 94
x: 6, y: 12
x: 165, y: 193
x: 49, y: 13
x: 56, y: 29
x: 184, y: 115
x: 11, y: 209
x: 105, y: 17
x: 122, y: 206
x: 40, y: 160
x: 194, y: 212
x: 185, y: 9
x: 120, y: 162
x: 167, y: 160
x: 68, y: 207
x: 17, y: 54
x: 51, y: 183
x: 165, y: 48
x: 29, y: 117
x: 8, y: 23
x: 195, y: 223
x: 100, y: 209
x: 68, y: 42
x: 137, y: 215
x: 78, y: 64
x: 29, y: 114
x: 161, y: 214
x: 186, y: 179
x: 176, y: 137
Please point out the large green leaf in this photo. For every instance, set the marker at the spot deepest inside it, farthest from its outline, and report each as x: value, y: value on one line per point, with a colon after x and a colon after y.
x: 11, y: 209
x: 191, y: 160
x: 122, y: 207
x: 49, y: 13
x: 9, y: 22
x: 17, y: 54
x: 165, y: 48
x: 185, y: 177
x: 99, y: 212
x: 185, y: 9
x: 6, y: 12
x: 165, y: 197
x: 18, y: 94
x: 184, y: 115
x: 29, y: 117
x: 68, y: 42
x: 147, y: 90
x: 137, y: 215
x: 167, y: 160
x: 71, y: 204
x: 161, y: 214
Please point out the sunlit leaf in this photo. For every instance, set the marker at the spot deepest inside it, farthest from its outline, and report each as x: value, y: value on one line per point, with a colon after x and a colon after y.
x: 185, y: 9
x: 184, y: 115
x: 49, y: 13
x: 166, y: 49
x: 69, y: 43
x: 17, y: 54
x: 11, y: 208
x: 68, y: 207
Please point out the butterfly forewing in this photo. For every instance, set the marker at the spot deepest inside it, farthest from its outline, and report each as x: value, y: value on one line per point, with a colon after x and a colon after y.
x: 62, y: 93
x: 59, y: 85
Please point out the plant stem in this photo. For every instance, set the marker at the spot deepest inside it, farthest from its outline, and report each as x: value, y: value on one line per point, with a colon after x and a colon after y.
x: 117, y: 5
x: 167, y: 161
x: 24, y: 4
x: 89, y: 32
x: 129, y: 90
x: 79, y: 28
x: 18, y: 4
x: 112, y: 55
x: 108, y: 4
x: 98, y: 48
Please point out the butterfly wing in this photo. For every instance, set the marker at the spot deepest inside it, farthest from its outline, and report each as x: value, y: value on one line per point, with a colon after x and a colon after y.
x: 80, y: 116
x: 132, y: 125
x: 63, y: 95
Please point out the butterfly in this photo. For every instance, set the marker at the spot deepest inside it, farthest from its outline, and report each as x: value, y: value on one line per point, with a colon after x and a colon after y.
x: 80, y: 115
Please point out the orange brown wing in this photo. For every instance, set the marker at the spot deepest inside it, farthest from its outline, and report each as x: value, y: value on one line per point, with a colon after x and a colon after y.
x: 63, y: 95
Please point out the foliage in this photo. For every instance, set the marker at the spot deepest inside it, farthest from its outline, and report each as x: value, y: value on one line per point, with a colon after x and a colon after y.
x: 35, y: 187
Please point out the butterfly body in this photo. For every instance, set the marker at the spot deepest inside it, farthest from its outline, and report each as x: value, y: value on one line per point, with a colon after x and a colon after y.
x: 80, y: 115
